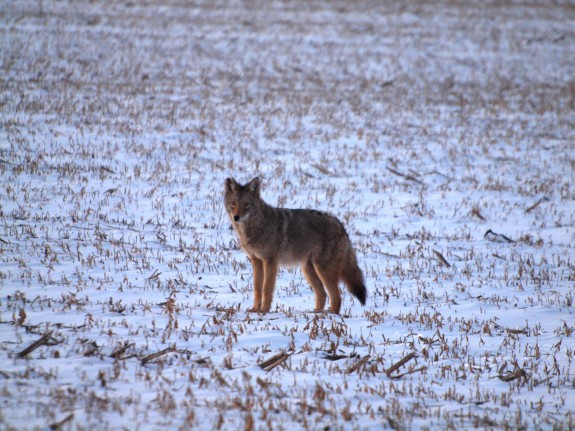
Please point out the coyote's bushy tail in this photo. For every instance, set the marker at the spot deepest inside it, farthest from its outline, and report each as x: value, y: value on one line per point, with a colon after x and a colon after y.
x: 353, y: 277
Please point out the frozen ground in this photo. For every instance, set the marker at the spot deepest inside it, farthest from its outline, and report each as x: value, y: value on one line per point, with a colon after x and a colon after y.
x: 422, y: 126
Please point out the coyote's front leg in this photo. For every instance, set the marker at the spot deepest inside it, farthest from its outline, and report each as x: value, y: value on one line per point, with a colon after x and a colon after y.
x: 258, y: 267
x: 270, y: 274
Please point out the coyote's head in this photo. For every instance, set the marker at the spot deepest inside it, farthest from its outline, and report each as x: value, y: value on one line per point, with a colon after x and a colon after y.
x: 241, y: 200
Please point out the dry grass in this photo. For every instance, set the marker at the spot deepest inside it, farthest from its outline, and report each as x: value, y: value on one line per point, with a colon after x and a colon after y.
x: 442, y: 134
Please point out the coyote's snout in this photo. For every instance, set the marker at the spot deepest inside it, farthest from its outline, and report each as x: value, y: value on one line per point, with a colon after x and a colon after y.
x: 315, y: 240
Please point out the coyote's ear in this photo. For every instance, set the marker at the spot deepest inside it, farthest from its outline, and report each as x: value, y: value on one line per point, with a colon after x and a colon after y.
x: 230, y: 185
x: 254, y: 186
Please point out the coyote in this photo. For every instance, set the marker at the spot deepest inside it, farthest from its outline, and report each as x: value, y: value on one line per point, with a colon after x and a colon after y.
x: 313, y: 239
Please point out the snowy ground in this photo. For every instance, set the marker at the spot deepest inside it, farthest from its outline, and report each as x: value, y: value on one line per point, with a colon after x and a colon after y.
x: 422, y: 126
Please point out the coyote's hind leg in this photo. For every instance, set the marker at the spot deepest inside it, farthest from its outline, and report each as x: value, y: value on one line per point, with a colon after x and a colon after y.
x: 329, y: 278
x: 316, y: 284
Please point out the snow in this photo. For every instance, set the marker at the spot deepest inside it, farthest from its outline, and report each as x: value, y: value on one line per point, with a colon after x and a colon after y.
x: 422, y: 126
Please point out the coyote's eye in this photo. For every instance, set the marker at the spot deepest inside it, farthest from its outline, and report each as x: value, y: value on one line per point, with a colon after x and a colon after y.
x: 233, y: 205
x: 247, y: 206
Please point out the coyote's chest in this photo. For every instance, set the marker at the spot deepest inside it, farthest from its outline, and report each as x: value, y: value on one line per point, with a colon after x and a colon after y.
x: 276, y: 246
x: 252, y: 243
x: 265, y: 244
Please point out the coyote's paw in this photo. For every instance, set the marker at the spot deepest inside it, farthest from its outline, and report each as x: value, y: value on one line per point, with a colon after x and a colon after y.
x: 319, y: 311
x: 253, y: 310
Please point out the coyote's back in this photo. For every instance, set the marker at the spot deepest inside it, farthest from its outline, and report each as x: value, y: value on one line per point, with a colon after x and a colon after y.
x: 315, y: 240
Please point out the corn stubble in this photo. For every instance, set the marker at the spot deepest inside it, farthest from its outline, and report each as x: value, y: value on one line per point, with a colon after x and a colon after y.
x: 123, y: 292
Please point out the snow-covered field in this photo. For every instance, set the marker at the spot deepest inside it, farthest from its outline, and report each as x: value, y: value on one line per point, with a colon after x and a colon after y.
x: 442, y: 134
